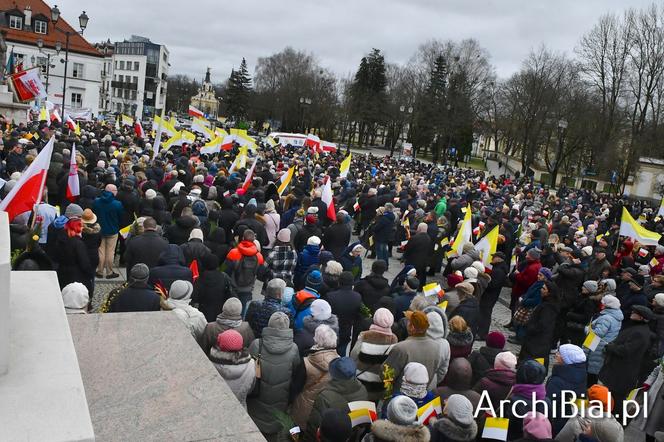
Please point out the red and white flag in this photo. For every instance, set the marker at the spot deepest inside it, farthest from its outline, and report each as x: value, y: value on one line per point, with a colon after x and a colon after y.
x: 327, y: 146
x: 30, y: 187
x: 55, y: 116
x: 327, y: 197
x: 138, y: 128
x: 313, y: 142
x: 28, y: 85
x: 250, y: 175
x: 195, y: 112
x: 71, y: 124
x: 73, y: 187
x: 227, y: 143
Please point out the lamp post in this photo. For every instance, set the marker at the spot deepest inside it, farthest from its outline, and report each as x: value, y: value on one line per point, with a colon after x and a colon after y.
x: 304, y: 103
x: 562, y: 128
x: 58, y: 48
x: 402, y: 111
x: 83, y: 23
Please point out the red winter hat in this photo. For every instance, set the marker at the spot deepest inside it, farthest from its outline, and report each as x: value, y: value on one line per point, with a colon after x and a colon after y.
x: 230, y: 340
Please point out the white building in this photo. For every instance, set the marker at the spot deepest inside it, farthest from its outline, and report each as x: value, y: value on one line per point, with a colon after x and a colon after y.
x: 136, y: 72
x: 35, y: 40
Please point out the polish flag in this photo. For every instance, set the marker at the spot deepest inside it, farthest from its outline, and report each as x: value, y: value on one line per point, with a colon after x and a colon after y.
x: 55, y: 116
x: 138, y: 128
x: 313, y: 142
x: 73, y: 187
x: 328, y: 146
x: 327, y: 197
x: 227, y: 143
x: 70, y: 123
x: 250, y: 175
x: 195, y: 112
x: 30, y: 187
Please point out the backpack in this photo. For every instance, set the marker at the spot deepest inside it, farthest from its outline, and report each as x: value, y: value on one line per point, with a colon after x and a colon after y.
x: 246, y: 271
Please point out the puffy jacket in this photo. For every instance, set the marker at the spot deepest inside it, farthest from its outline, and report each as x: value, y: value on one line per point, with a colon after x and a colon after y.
x: 384, y: 229
x: 568, y: 378
x: 279, y: 358
x: 306, y: 258
x: 317, y: 377
x: 238, y: 370
x: 179, y: 232
x: 243, y: 250
x: 258, y: 313
x: 372, y: 288
x: 336, y: 394
x: 194, y: 249
x: 171, y: 267
x: 109, y: 213
x: 525, y: 278
x: 441, y: 207
x: 300, y: 306
x: 304, y: 337
x: 606, y: 326
x: 190, y: 316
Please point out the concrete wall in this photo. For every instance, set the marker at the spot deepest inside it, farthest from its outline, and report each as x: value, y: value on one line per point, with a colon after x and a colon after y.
x: 5, y: 268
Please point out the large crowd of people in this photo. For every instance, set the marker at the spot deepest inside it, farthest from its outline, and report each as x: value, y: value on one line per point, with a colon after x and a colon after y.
x: 274, y: 288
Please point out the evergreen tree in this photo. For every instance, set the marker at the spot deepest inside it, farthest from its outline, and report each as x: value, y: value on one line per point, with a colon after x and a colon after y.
x: 238, y: 92
x: 369, y: 97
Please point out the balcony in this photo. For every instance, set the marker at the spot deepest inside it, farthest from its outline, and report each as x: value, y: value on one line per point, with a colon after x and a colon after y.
x: 124, y: 85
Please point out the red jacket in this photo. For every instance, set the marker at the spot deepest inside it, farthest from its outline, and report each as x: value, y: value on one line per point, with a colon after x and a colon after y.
x: 245, y: 248
x: 526, y: 278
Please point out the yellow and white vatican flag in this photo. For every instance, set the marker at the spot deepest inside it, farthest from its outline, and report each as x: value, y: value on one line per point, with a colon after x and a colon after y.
x: 629, y: 227
x: 345, y: 166
x: 285, y: 180
x: 464, y: 236
x: 487, y: 246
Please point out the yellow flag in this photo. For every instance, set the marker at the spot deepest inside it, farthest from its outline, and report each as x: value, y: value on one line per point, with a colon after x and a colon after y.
x: 464, y: 236
x: 345, y: 166
x: 285, y: 180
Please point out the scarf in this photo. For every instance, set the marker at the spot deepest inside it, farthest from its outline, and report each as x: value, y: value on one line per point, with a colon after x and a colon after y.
x: 230, y: 323
x: 379, y: 329
x: 526, y: 390
x: 417, y: 391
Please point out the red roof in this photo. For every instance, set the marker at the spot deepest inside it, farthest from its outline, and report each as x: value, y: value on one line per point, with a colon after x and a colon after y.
x: 76, y: 42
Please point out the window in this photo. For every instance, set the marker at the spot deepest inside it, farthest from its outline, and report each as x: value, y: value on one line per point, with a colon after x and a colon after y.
x: 137, y: 65
x: 77, y: 71
x: 133, y: 95
x: 118, y: 107
x: 42, y: 62
x: 126, y: 94
x: 15, y: 22
x: 122, y: 65
x: 135, y: 79
x: 41, y: 27
x: 116, y: 64
x: 120, y: 78
x: 76, y: 100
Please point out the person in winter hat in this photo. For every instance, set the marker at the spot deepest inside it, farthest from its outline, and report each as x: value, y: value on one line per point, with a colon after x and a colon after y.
x: 316, y: 365
x: 400, y: 425
x: 437, y: 331
x: 483, y: 358
x: 335, y: 426
x: 536, y: 427
x: 606, y: 325
x: 342, y: 388
x: 230, y: 318
x: 414, y: 384
x: 179, y: 297
x: 234, y: 363
x: 498, y: 381
x: 371, y: 350
x: 279, y: 360
x: 321, y: 313
x: 569, y: 374
x: 529, y: 384
x: 259, y: 313
x: 457, y: 424
x: 603, y: 427
x: 75, y: 298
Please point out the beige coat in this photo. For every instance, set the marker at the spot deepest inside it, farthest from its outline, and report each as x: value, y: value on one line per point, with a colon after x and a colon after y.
x: 316, y: 366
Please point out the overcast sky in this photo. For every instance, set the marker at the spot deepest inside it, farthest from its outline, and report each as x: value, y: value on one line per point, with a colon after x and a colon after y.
x: 218, y: 33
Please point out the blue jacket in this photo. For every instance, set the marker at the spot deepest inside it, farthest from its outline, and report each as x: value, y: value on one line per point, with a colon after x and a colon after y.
x: 351, y: 263
x: 384, y: 228
x: 567, y: 378
x: 606, y: 326
x: 533, y: 296
x: 108, y: 211
x: 306, y: 258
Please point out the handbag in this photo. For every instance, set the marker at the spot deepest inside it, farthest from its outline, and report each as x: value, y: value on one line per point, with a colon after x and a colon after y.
x: 522, y: 316
x: 256, y: 391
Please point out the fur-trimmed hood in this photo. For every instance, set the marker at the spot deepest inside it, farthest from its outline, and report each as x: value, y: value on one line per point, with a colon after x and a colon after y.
x: 460, y: 339
x: 384, y: 430
x: 454, y: 431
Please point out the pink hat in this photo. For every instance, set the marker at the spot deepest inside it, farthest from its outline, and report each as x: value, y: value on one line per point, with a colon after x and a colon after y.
x: 383, y: 318
x: 230, y: 340
x: 505, y: 361
x: 537, y: 426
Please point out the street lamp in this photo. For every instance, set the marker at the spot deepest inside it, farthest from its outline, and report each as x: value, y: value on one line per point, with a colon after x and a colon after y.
x: 58, y: 48
x: 304, y: 102
x: 83, y: 23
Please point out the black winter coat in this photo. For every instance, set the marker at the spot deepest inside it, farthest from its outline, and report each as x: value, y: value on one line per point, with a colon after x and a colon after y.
x: 144, y: 248
x: 194, y: 249
x: 539, y: 331
x: 71, y: 254
x: 178, y: 233
x: 307, y: 231
x: 130, y: 202
x: 138, y: 297
x: 211, y: 290
x: 256, y: 226
x: 345, y: 303
x: 622, y: 357
x: 569, y: 279
x: 384, y: 229
x: 418, y: 250
x: 336, y: 239
x: 371, y: 288
x: 171, y: 267
x: 468, y: 309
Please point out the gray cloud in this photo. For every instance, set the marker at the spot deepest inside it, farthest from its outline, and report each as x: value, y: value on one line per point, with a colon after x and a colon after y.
x: 201, y: 33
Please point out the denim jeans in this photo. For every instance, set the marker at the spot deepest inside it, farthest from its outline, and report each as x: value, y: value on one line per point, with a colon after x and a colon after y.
x: 382, y: 252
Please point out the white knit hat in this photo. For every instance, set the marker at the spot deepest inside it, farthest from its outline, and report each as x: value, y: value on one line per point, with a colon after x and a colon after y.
x: 321, y: 310
x: 75, y: 297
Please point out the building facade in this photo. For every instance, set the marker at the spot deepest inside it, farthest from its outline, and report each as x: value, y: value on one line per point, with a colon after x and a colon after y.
x: 205, y: 100
x: 36, y: 42
x: 135, y: 77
